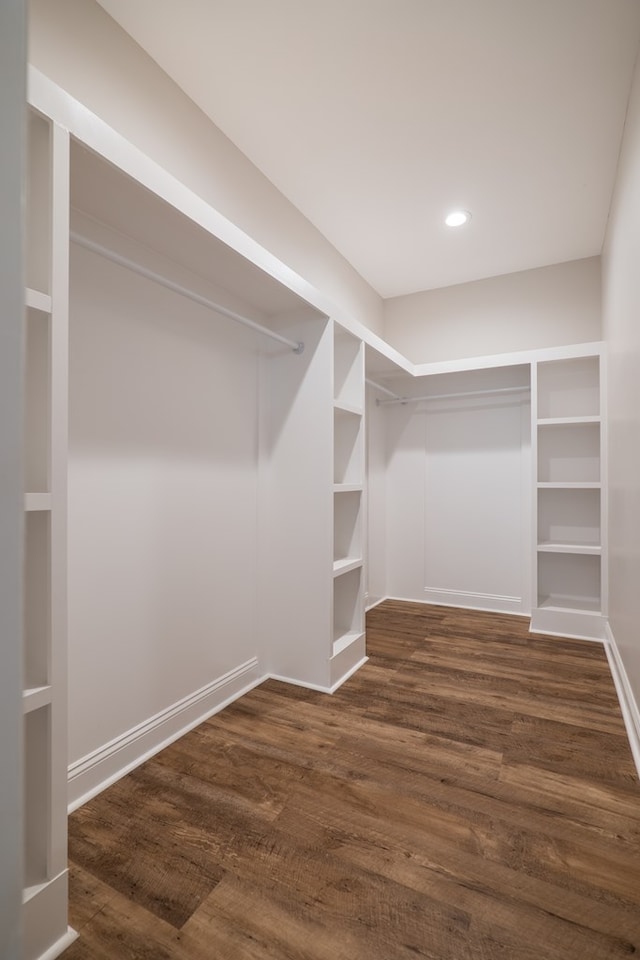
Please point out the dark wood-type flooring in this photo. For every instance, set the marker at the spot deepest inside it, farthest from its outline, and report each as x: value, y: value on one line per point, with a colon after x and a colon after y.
x: 468, y: 795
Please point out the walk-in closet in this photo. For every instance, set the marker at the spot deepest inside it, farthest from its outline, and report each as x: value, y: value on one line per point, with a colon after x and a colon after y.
x: 245, y: 472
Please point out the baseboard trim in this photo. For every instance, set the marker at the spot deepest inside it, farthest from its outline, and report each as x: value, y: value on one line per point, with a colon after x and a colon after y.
x: 299, y: 683
x: 56, y: 949
x: 375, y: 603
x: 104, y: 766
x: 628, y: 703
x: 494, y: 603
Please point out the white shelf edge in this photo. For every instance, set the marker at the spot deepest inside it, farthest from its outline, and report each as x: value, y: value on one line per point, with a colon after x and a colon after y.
x: 346, y: 640
x: 341, y: 406
x: 36, y: 300
x: 35, y: 697
x: 37, y: 502
x: 569, y: 485
x: 567, y: 421
x: 347, y: 488
x: 346, y: 564
x: 590, y: 607
x: 589, y: 549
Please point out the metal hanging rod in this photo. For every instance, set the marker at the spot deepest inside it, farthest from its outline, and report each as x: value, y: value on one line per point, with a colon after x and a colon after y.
x: 382, y: 389
x: 450, y: 396
x: 296, y: 345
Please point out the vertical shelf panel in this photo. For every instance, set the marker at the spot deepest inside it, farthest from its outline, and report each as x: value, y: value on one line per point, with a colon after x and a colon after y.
x: 37, y: 416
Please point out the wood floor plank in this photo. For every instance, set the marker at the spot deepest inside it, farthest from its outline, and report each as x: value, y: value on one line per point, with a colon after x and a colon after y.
x: 468, y: 795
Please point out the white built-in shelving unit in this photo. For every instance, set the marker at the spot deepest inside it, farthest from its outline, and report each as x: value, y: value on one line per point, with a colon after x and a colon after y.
x: 45, y: 424
x: 348, y: 641
x: 570, y: 588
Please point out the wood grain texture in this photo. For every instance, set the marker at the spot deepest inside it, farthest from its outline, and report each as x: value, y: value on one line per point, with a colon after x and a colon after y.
x: 468, y: 795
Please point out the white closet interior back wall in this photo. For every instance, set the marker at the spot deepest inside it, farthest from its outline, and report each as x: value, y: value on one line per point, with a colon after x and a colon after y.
x: 457, y: 491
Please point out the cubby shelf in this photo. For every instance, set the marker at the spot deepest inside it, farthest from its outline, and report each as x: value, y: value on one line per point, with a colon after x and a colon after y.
x: 348, y: 488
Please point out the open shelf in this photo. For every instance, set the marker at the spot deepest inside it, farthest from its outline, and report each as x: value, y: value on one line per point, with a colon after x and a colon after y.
x: 569, y: 516
x: 559, y: 546
x: 39, y: 188
x: 569, y: 388
x: 347, y: 527
x: 36, y: 300
x: 34, y: 502
x: 348, y: 370
x: 569, y: 454
x: 37, y: 417
x: 37, y: 727
x: 37, y: 599
x: 569, y: 582
x: 35, y: 697
x: 566, y: 421
x: 348, y: 456
x: 348, y: 611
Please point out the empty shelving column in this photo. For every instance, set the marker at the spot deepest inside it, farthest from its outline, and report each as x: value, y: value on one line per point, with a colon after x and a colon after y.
x: 570, y: 593
x: 348, y: 643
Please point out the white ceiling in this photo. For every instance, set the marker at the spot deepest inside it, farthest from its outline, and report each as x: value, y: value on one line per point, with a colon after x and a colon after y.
x: 375, y: 117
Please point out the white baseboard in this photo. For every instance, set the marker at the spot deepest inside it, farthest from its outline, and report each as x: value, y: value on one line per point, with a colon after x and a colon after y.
x: 492, y: 603
x: 374, y: 603
x: 99, y: 769
x: 628, y: 703
x: 58, y: 948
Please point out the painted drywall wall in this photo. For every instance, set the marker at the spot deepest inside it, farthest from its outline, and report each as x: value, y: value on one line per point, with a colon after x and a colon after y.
x: 12, y: 155
x: 162, y: 500
x: 547, y: 307
x: 77, y: 45
x: 621, y: 312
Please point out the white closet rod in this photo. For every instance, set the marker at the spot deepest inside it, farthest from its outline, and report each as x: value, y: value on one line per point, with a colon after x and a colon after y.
x: 449, y: 396
x: 296, y: 345
x: 386, y: 390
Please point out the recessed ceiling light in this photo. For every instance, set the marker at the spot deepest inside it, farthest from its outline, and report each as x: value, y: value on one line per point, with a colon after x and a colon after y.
x: 457, y: 218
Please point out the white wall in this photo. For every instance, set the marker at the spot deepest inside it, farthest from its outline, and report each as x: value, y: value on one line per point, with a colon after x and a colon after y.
x: 162, y: 500
x: 458, y: 501
x: 547, y: 307
x: 77, y: 45
x: 12, y: 155
x: 621, y: 320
